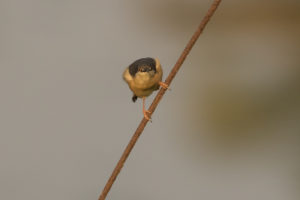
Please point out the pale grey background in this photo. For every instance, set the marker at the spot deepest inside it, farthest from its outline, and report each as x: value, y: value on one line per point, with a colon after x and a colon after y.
x: 229, y: 129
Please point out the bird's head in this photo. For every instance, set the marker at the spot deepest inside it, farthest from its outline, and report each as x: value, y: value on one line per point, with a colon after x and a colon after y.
x: 143, y: 66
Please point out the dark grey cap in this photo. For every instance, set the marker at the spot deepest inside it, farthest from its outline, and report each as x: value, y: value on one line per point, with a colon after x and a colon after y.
x: 134, y: 67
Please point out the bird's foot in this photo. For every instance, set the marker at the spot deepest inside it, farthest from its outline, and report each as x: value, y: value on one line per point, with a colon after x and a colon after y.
x: 164, y: 85
x: 146, y: 113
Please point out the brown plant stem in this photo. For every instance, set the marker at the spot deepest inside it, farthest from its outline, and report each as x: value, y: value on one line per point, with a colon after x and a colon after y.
x: 158, y: 97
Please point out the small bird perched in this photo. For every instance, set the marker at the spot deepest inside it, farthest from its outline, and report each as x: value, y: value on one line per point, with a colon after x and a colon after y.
x: 143, y: 77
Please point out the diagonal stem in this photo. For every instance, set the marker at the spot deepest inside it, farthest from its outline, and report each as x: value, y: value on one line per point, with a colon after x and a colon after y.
x: 158, y: 97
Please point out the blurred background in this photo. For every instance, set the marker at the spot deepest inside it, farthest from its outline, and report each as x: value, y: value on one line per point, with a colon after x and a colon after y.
x: 228, y: 129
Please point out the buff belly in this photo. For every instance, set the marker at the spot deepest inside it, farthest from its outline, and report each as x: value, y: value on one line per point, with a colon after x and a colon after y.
x: 143, y: 84
x: 145, y: 91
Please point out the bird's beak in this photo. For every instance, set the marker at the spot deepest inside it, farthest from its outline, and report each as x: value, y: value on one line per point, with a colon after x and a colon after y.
x: 143, y: 69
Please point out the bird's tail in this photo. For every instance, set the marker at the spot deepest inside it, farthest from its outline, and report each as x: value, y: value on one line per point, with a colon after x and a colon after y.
x: 134, y: 98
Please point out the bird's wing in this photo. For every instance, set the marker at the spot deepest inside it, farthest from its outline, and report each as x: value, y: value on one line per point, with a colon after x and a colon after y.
x: 126, y: 76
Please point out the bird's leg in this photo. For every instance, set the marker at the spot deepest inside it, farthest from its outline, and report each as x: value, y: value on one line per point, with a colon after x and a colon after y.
x: 146, y: 112
x: 164, y: 85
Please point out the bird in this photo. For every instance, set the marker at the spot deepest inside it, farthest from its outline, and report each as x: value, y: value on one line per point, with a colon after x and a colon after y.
x: 143, y: 77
